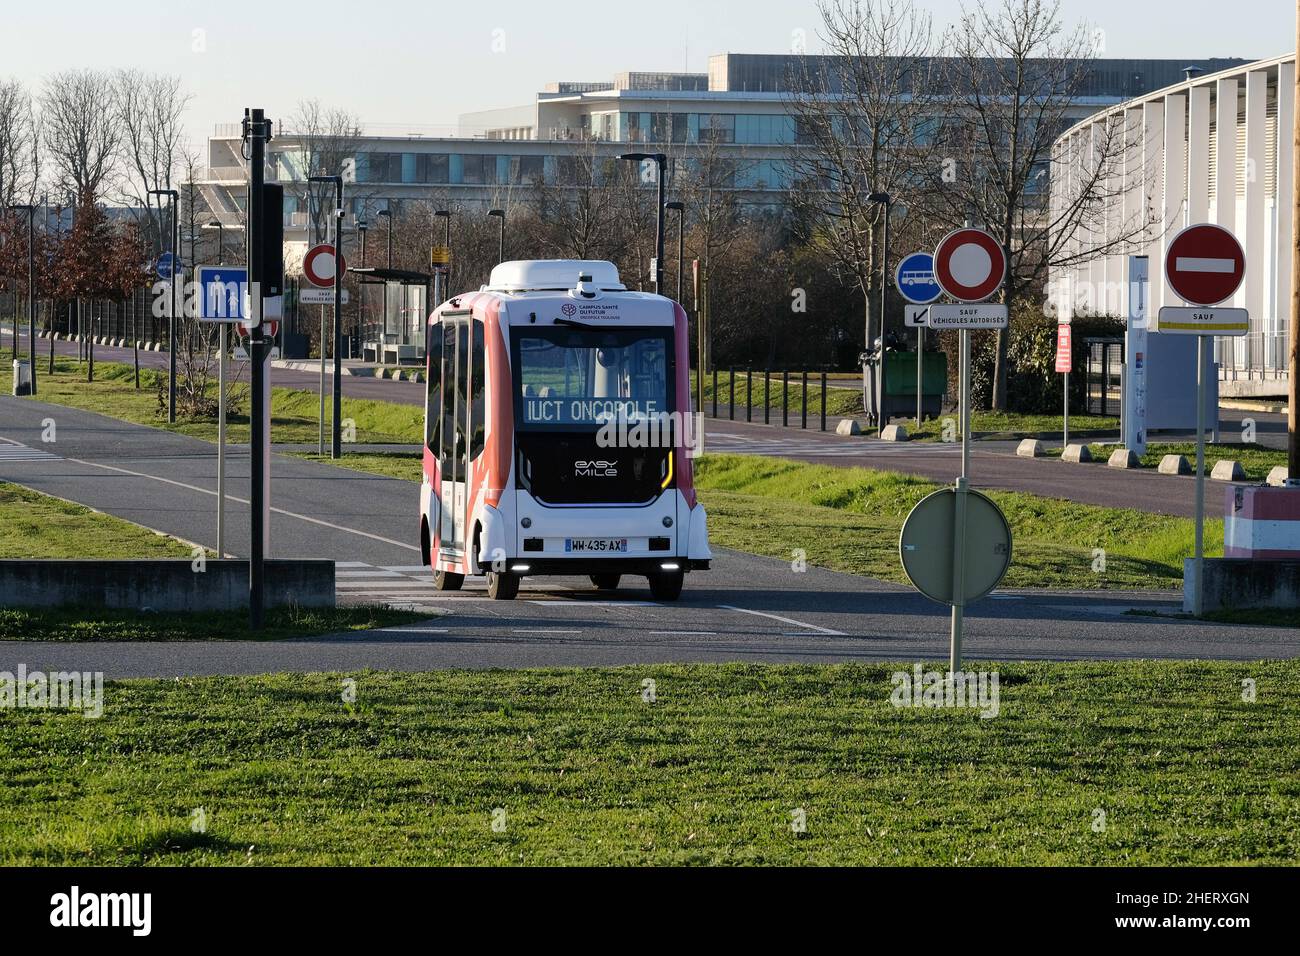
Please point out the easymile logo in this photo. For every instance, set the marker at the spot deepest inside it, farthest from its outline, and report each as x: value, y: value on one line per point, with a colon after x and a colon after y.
x: 73, y: 909
x: 595, y: 469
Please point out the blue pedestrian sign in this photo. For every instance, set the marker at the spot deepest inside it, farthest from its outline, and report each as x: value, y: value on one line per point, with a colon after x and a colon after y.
x: 166, y: 263
x: 223, y: 294
x: 915, y: 280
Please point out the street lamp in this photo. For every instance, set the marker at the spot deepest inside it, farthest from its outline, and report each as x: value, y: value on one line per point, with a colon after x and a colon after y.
x: 362, y: 228
x: 31, y: 296
x: 501, y: 233
x: 387, y: 215
x: 336, y: 430
x: 221, y: 237
x: 882, y: 199
x: 680, y: 209
x: 174, y: 196
x: 661, y: 162
x: 445, y: 216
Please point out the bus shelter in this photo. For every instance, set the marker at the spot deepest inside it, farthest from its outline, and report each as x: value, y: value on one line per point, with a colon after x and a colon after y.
x: 394, y: 309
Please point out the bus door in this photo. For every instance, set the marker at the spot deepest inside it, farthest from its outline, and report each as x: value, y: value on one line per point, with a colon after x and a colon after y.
x: 454, y: 452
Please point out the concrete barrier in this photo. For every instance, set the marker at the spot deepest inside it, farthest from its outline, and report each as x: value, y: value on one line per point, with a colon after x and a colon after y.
x: 1277, y: 476
x: 1076, y: 453
x: 161, y: 585
x: 1175, y: 465
x: 1030, y: 448
x: 1261, y: 522
x: 894, y: 433
x: 1232, y: 583
x: 848, y: 426
x: 1123, y: 458
x: 1227, y: 470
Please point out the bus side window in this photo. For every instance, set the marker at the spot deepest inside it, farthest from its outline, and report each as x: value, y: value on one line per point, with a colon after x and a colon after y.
x: 433, y: 401
x: 477, y: 381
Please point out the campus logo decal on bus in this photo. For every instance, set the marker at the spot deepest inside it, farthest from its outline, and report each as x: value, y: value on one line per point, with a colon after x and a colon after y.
x: 591, y: 310
x: 569, y: 308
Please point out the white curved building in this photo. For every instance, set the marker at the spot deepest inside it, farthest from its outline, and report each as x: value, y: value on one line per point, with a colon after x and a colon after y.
x: 1215, y: 148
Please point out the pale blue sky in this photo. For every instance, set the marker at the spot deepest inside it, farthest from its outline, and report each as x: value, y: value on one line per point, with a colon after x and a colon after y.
x: 414, y: 66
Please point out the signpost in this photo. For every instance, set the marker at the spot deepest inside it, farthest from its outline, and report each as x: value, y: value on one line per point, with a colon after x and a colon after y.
x: 223, y: 298
x: 325, y: 270
x: 1135, y: 358
x: 915, y: 280
x: 1204, y: 265
x: 969, y: 266
x: 319, y: 267
x: 166, y: 265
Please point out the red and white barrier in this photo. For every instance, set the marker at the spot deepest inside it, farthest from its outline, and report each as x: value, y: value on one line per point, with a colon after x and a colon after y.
x: 1262, y: 523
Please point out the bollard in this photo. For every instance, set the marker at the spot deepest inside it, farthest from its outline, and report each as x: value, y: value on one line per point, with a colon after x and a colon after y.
x: 785, y: 397
x: 749, y: 393
x: 767, y: 395
x: 803, y: 417
x: 731, y: 403
x: 823, y: 400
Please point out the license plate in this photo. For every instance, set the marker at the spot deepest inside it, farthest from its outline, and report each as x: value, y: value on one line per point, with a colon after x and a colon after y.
x: 596, y: 545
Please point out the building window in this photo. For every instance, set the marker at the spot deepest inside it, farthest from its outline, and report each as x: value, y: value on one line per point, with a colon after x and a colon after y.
x: 478, y: 170
x: 718, y: 127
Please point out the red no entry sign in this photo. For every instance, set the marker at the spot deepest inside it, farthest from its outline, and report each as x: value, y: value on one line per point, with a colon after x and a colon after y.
x: 1205, y: 264
x: 319, y: 268
x: 969, y: 265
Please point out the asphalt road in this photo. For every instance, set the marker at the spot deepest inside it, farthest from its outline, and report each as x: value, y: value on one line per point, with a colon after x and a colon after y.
x: 993, y: 464
x: 746, y: 609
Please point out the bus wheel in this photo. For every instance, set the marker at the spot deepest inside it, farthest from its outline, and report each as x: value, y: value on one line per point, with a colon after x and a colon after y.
x: 606, y: 581
x: 447, y: 580
x: 666, y: 585
x: 502, y: 586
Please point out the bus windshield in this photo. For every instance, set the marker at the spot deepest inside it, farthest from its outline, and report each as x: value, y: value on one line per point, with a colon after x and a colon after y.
x: 566, y: 377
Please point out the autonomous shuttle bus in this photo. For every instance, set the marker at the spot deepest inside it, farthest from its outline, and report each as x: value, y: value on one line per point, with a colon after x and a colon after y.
x: 558, y: 433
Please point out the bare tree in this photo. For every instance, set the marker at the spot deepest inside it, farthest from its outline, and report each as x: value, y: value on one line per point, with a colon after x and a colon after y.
x: 327, y: 139
x: 1015, y: 74
x: 575, y: 215
x: 148, y: 107
x: 81, y: 131
x: 19, y: 156
x: 858, y: 116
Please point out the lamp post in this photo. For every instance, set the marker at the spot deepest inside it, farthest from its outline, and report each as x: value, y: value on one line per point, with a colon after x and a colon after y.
x: 680, y: 209
x: 438, y: 291
x: 31, y: 295
x: 337, y: 424
x: 362, y: 228
x: 387, y: 215
x: 174, y: 197
x: 882, y: 199
x: 500, y: 215
x: 661, y: 163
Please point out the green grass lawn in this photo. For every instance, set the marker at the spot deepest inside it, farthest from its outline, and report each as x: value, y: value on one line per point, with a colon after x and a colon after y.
x: 294, y: 412
x: 849, y: 519
x: 102, y: 624
x: 389, y: 464
x: 33, y: 525
x: 1010, y: 425
x: 583, y: 771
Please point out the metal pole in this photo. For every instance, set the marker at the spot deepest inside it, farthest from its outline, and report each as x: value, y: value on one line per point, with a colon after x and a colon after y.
x: 920, y: 349
x: 31, y: 298
x: 221, y: 441
x: 1065, y: 417
x: 661, y: 161
x: 336, y: 434
x: 320, y: 439
x: 171, y: 324
x: 731, y: 401
x: 715, y: 392
x: 749, y: 393
x: 785, y: 396
x: 767, y: 395
x: 1198, y: 602
x: 1293, y: 389
x: 803, y: 419
x: 260, y: 404
x: 882, y: 418
x: 823, y: 400
x: 681, y: 249
x: 959, y: 514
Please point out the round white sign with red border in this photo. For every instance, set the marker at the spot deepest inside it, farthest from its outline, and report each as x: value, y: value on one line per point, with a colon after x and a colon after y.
x: 1205, y: 264
x: 969, y: 265
x: 318, y: 265
x: 269, y: 328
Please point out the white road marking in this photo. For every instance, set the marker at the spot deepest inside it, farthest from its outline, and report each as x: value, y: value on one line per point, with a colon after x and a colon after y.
x: 11, y: 450
x: 244, y: 501
x: 783, y: 620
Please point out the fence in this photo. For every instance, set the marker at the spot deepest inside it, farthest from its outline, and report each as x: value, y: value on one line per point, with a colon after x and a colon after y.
x: 129, y: 319
x: 769, y: 377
